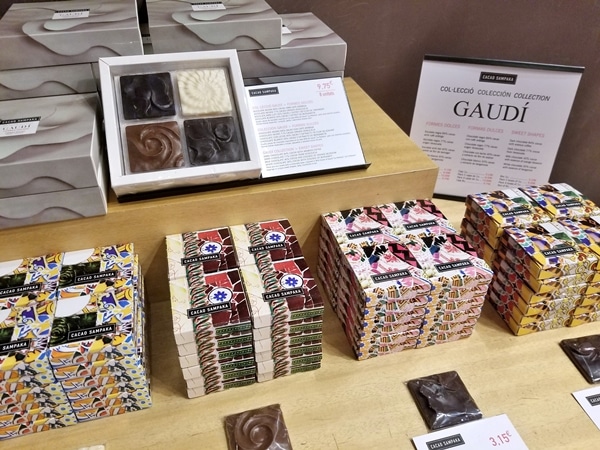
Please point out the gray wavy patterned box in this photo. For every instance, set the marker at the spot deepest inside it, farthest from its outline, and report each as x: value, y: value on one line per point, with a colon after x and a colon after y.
x: 68, y: 32
x: 177, y: 25
x: 49, y: 144
x: 307, y: 46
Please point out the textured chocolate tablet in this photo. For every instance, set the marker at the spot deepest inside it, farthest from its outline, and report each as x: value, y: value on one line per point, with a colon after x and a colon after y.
x: 203, y: 91
x: 584, y: 352
x: 443, y: 400
x: 212, y: 141
x: 147, y: 96
x: 154, y: 146
x: 261, y: 428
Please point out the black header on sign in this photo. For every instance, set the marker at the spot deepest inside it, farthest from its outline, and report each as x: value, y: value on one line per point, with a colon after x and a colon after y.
x: 501, y: 78
x: 455, y: 440
x: 264, y: 91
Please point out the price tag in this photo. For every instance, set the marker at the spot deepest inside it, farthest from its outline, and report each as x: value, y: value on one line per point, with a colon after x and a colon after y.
x: 497, y: 433
x: 589, y: 399
x: 208, y: 6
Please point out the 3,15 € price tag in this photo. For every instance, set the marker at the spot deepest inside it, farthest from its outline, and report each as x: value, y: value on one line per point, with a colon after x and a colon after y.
x: 494, y: 433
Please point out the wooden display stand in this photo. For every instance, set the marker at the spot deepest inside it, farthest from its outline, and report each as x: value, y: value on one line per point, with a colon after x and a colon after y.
x: 346, y: 404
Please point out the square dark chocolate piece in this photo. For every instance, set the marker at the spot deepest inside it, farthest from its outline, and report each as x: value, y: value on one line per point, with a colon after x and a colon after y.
x: 154, y: 146
x: 261, y: 428
x: 213, y: 141
x: 443, y: 400
x: 584, y: 352
x: 147, y: 96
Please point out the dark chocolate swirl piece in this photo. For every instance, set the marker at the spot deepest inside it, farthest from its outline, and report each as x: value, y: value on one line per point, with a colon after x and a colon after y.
x: 213, y: 141
x: 153, y: 147
x: 257, y: 429
x: 147, y: 96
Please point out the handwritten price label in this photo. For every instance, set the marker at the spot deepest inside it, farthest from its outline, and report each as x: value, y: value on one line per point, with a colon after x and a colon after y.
x: 492, y: 433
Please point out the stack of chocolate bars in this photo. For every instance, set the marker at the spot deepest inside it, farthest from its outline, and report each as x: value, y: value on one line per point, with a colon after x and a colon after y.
x: 97, y: 346
x: 71, y: 339
x: 399, y: 277
x: 245, y: 305
x: 211, y: 313
x: 545, y: 254
x: 286, y: 306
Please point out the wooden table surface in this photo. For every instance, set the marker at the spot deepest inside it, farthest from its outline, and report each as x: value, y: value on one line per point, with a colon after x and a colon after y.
x: 348, y: 404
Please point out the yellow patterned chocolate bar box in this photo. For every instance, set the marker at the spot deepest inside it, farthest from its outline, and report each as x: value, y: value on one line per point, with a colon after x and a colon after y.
x: 561, y: 200
x: 548, y: 251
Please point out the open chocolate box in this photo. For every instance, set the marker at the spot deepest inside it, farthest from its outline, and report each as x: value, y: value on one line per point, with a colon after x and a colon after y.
x: 176, y: 120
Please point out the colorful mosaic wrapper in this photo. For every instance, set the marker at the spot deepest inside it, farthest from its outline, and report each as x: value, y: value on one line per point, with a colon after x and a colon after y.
x: 97, y: 270
x: 260, y: 243
x: 448, y: 261
x: 24, y: 338
x: 548, y: 251
x: 30, y: 280
x: 358, y: 223
x: 385, y: 272
x: 92, y: 327
x: 427, y: 340
x: 285, y: 289
x: 206, y: 251
x: 201, y: 305
x: 39, y: 425
x: 484, y: 250
x: 561, y: 200
x: 416, y: 217
x: 496, y: 210
x: 526, y: 282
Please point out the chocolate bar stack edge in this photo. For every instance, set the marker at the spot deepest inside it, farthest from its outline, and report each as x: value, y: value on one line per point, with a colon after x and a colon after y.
x: 245, y: 305
x: 72, y: 339
x: 399, y: 276
x: 543, y: 243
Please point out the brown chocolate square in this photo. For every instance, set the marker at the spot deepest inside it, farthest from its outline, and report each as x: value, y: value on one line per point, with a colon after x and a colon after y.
x: 154, y: 146
x: 261, y: 428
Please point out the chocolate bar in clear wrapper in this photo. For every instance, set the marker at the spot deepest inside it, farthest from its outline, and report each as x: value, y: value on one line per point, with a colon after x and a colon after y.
x: 584, y: 352
x: 443, y: 400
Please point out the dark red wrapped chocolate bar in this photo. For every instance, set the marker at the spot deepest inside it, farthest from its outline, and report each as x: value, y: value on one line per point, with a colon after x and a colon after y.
x: 443, y: 400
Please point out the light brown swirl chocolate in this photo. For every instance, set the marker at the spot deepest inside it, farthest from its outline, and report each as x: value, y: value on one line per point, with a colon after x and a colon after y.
x: 153, y: 147
x: 257, y: 429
